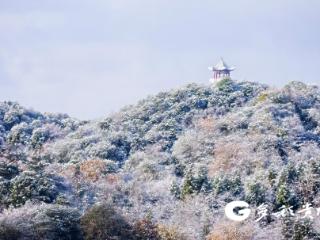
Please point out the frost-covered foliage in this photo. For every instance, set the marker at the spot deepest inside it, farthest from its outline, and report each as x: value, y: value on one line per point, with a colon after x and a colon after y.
x: 165, y: 167
x: 41, y: 222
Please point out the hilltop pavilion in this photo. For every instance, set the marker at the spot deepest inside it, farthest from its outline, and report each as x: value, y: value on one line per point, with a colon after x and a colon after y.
x: 220, y: 71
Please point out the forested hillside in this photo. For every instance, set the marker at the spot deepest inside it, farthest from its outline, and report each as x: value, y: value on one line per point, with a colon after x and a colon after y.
x: 165, y: 167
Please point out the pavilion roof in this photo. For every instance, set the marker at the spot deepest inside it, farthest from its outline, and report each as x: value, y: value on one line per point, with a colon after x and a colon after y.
x: 220, y: 66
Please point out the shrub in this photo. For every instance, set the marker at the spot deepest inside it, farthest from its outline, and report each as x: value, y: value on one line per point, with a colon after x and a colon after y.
x: 294, y: 229
x: 169, y: 233
x: 194, y: 183
x: 188, y: 185
x: 8, y: 232
x: 262, y: 97
x: 57, y: 222
x: 39, y: 137
x: 102, y: 222
x: 94, y: 169
x: 43, y: 221
x: 229, y: 231
x: 280, y: 98
x: 29, y: 186
x: 225, y: 85
x: 285, y: 196
x: 230, y: 155
x: 19, y: 134
x: 175, y: 190
x: 145, y: 229
x: 8, y: 171
x: 272, y: 175
x: 256, y: 193
x: 229, y: 183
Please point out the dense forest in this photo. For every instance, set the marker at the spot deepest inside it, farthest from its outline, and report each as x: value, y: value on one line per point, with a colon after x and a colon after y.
x: 164, y: 168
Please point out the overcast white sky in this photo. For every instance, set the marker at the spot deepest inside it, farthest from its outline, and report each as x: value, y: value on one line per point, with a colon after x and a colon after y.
x: 89, y: 58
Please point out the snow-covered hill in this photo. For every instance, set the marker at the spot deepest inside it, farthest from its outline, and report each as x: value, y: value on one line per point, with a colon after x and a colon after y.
x: 165, y: 167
